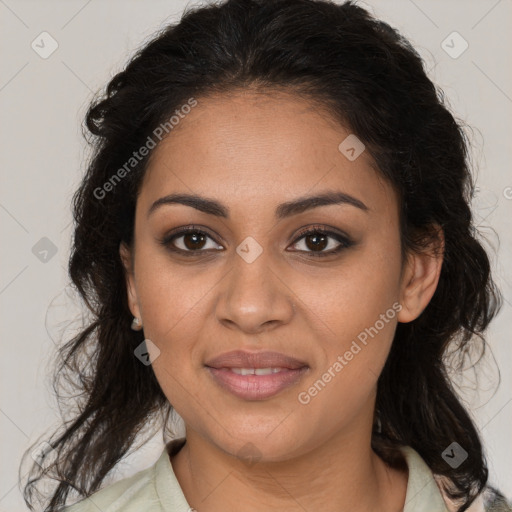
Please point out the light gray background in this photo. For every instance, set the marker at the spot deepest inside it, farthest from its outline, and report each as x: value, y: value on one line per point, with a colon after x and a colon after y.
x: 43, y: 101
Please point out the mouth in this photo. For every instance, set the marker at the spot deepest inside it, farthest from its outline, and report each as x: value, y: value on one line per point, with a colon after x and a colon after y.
x: 255, y: 375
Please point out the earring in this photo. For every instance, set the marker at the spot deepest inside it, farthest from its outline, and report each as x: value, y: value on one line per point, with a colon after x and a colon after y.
x: 136, y: 323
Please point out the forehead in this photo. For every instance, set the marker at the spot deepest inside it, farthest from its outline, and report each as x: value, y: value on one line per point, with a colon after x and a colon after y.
x: 260, y: 148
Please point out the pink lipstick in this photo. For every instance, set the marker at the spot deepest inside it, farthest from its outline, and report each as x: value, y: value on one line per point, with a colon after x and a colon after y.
x: 255, y: 375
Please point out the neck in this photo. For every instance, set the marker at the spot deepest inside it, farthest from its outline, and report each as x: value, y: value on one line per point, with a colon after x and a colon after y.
x: 342, y: 474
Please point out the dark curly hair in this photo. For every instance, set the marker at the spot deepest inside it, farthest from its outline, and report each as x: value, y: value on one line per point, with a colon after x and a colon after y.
x: 368, y: 78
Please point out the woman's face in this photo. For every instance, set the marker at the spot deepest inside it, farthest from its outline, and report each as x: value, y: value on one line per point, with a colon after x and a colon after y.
x: 252, y: 281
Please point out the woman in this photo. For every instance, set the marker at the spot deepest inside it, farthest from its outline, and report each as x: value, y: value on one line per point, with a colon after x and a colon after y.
x: 275, y: 245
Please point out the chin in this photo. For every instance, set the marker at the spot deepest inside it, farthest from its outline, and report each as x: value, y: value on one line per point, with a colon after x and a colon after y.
x: 266, y: 444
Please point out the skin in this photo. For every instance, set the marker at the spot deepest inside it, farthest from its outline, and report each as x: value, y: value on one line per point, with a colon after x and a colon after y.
x: 252, y: 152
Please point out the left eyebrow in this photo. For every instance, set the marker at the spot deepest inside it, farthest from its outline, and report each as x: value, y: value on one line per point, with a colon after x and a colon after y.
x: 284, y: 210
x: 303, y: 204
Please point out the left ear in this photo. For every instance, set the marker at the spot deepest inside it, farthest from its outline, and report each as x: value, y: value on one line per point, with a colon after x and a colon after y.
x: 420, y: 277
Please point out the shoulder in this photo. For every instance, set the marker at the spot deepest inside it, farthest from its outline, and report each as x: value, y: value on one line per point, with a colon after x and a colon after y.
x: 425, y: 486
x: 489, y: 500
x: 494, y: 501
x: 130, y: 494
x: 155, y: 489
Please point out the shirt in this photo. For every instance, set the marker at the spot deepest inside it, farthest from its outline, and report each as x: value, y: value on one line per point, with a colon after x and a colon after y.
x: 156, y: 489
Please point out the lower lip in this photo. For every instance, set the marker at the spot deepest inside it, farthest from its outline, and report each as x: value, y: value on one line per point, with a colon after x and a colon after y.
x: 256, y: 387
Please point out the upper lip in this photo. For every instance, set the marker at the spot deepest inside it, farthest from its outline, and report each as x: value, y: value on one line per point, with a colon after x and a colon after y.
x: 244, y: 359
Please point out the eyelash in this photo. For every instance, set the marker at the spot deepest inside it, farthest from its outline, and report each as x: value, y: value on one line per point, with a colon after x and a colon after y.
x: 345, y: 242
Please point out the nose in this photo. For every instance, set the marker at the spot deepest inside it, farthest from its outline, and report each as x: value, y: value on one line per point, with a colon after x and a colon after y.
x: 254, y: 297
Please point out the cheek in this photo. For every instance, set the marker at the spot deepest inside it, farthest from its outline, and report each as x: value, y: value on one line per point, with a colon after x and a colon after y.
x: 175, y: 303
x: 170, y: 302
x: 345, y: 384
x: 356, y: 310
x: 352, y: 297
x: 170, y: 296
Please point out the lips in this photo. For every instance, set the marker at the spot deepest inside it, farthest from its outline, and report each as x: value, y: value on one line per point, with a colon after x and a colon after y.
x: 243, y: 359
x: 255, y: 375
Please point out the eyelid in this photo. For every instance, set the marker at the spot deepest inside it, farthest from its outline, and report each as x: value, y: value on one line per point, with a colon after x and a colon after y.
x: 183, y: 230
x: 320, y: 228
x: 344, y: 240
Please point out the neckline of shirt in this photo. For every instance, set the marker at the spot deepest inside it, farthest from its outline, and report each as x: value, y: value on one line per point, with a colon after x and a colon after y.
x: 422, y: 494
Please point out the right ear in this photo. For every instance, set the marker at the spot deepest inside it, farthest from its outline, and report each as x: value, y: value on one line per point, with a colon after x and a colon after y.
x: 127, y: 260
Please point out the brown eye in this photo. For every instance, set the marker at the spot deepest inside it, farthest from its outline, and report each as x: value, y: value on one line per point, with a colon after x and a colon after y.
x: 194, y: 240
x: 317, y: 239
x: 188, y: 241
